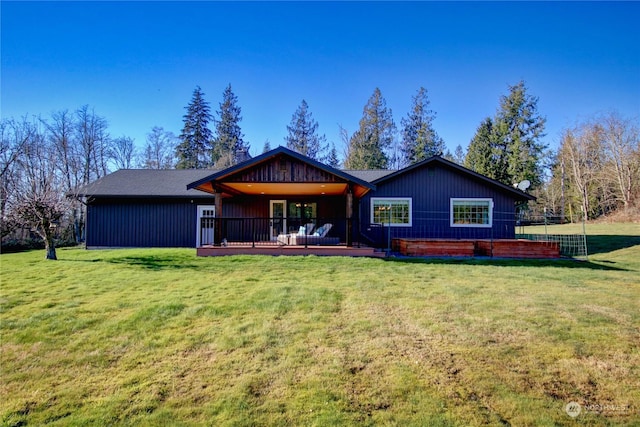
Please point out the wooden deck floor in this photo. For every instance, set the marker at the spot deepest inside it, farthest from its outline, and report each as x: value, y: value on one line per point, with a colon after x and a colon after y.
x: 274, y: 249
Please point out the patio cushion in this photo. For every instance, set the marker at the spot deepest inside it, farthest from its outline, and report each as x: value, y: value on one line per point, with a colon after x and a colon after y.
x: 309, y: 227
x: 324, y: 230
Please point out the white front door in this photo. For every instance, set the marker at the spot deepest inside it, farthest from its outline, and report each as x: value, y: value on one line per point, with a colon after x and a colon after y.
x: 277, y: 218
x: 204, y: 225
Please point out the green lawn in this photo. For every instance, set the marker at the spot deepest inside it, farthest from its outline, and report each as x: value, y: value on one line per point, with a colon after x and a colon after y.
x: 161, y: 337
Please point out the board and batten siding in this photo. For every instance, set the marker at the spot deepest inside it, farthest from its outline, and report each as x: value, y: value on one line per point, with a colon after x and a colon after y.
x: 431, y: 189
x: 142, y: 223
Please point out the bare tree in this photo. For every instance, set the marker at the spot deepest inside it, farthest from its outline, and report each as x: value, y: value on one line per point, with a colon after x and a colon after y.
x: 601, y: 158
x: 42, y: 202
x: 122, y: 152
x: 581, y: 152
x: 14, y: 135
x: 62, y: 134
x: 93, y: 139
x: 620, y: 144
x: 159, y: 150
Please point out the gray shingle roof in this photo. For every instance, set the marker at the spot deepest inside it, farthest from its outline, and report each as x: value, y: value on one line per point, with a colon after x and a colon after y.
x: 146, y: 183
x: 170, y: 182
x: 369, y: 175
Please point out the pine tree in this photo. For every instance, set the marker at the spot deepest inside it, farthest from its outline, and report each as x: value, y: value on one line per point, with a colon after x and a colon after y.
x: 369, y: 144
x: 195, y: 146
x: 229, y: 138
x: 332, y: 158
x: 480, y: 152
x: 508, y: 148
x: 303, y: 133
x: 267, y: 146
x: 518, y: 132
x: 419, y: 140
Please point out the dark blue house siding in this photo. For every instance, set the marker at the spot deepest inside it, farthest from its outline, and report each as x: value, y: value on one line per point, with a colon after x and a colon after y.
x: 431, y: 189
x: 142, y: 223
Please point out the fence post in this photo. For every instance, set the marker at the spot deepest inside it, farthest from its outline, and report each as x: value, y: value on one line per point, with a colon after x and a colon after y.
x: 584, y: 234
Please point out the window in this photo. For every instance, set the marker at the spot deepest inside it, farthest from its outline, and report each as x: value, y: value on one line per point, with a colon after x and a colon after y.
x: 303, y: 210
x: 391, y: 210
x: 471, y: 212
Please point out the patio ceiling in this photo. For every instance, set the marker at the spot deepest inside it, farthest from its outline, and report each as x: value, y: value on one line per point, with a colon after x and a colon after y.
x: 288, y: 188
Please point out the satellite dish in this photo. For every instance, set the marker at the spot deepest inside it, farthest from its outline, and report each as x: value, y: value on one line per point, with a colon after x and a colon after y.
x: 523, y: 185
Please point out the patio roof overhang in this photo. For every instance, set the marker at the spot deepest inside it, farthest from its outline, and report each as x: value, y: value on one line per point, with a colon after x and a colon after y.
x: 282, y: 172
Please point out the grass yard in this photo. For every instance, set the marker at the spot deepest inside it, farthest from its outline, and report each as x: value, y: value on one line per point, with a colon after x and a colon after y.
x: 161, y: 337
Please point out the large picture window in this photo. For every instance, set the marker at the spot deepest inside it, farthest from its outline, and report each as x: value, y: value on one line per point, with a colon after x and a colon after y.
x: 395, y: 211
x: 471, y: 212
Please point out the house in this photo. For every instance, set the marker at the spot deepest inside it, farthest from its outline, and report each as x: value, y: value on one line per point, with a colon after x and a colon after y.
x: 269, y: 198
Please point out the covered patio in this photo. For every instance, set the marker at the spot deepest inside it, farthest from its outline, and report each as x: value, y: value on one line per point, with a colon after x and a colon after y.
x: 281, y: 202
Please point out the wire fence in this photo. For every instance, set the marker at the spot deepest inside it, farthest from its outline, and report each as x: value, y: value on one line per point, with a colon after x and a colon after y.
x: 552, y: 228
x: 571, y: 245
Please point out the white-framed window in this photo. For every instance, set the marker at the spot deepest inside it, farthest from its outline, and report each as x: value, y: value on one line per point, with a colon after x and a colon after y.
x: 395, y: 211
x: 467, y: 212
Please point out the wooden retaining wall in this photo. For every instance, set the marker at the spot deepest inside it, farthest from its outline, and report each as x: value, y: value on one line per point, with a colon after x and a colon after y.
x: 434, y: 247
x: 503, y: 248
x: 518, y: 248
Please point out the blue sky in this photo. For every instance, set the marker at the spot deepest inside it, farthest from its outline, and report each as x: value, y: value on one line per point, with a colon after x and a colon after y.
x: 137, y: 63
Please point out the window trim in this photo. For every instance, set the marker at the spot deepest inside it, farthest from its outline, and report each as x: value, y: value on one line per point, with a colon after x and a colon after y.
x: 452, y: 202
x: 407, y: 199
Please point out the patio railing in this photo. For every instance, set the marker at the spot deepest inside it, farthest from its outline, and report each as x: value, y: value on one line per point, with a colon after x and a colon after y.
x: 276, y: 231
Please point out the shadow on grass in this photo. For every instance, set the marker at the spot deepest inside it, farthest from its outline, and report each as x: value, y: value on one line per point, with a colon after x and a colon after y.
x: 503, y: 262
x: 600, y: 243
x: 154, y: 262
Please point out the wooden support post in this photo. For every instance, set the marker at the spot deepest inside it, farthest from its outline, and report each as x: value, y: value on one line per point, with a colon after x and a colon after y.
x: 349, y: 212
x: 217, y: 230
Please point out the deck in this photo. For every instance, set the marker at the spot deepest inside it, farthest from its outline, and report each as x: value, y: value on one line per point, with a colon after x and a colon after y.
x: 503, y: 248
x: 277, y: 250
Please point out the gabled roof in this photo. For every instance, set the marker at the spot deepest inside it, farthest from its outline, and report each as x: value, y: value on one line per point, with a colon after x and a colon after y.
x: 145, y: 183
x: 515, y: 192
x: 224, y: 177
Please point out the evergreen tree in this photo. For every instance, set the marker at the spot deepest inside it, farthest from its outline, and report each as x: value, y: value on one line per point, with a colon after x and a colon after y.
x: 480, y: 152
x: 303, y: 133
x: 332, y: 158
x: 267, y: 146
x: 228, y: 142
x: 195, y: 146
x: 419, y: 140
x: 368, y: 145
x: 518, y: 132
x: 508, y: 148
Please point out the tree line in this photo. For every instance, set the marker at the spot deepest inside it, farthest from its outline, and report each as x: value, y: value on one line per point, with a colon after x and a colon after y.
x: 43, y: 160
x: 596, y: 169
x: 372, y: 146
